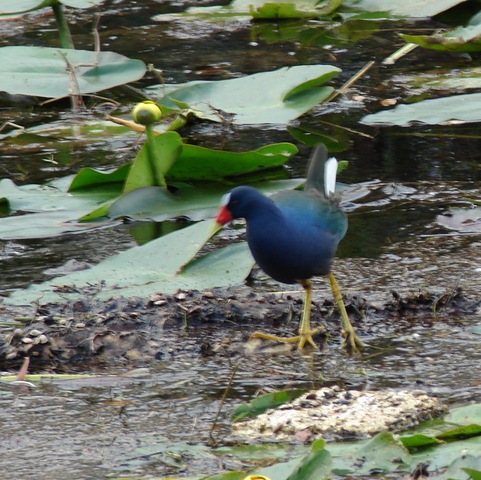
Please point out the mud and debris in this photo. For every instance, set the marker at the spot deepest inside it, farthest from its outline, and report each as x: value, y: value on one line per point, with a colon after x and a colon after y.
x: 89, y: 332
x: 336, y: 414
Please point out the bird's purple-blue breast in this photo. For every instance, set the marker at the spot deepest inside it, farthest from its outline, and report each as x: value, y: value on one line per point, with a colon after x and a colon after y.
x: 300, y: 239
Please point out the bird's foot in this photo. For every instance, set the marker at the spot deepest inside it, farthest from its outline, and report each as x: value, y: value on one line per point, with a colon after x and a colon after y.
x: 302, y: 340
x: 352, y: 343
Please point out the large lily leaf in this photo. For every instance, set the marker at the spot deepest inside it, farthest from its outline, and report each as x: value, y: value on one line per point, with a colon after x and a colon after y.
x: 161, y: 265
x: 458, y: 109
x: 59, y: 72
x: 24, y: 6
x: 298, y: 9
x: 405, y: 8
x: 199, y: 163
x: 313, y: 8
x: 61, y: 134
x: 260, y: 9
x: 90, y: 177
x: 47, y: 198
x: 467, y: 415
x: 265, y: 402
x: 193, y: 202
x: 56, y: 211
x: 81, y: 3
x: 461, y: 39
x: 275, y: 97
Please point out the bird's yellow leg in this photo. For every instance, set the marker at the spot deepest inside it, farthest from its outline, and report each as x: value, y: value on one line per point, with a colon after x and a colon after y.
x: 352, y: 343
x: 305, y: 332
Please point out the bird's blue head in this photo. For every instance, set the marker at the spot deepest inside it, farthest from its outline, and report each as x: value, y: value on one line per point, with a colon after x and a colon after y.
x: 240, y: 202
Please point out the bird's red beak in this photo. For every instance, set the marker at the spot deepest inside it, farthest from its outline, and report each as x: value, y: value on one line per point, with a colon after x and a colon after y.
x: 224, y: 216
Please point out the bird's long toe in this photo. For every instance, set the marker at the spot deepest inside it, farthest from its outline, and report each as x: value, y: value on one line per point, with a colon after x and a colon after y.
x: 307, y: 339
x: 302, y: 340
x: 352, y: 343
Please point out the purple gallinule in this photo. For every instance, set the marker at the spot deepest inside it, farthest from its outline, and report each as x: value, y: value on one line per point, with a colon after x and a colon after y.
x: 293, y: 236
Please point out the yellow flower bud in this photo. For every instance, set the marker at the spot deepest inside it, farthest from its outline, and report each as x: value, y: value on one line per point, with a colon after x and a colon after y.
x: 256, y: 477
x: 146, y: 113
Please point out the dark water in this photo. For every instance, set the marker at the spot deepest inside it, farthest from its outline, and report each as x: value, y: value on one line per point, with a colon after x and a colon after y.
x: 69, y: 430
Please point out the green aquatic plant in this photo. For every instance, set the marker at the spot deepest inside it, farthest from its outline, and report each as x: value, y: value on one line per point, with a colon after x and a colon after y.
x: 61, y: 72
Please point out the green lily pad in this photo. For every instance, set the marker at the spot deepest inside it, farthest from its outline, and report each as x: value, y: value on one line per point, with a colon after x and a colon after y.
x: 161, y: 265
x: 47, y: 224
x: 57, y: 211
x: 81, y: 3
x: 406, y: 8
x: 199, y: 163
x: 466, y: 467
x: 445, y: 454
x: 438, y: 111
x: 191, y: 201
x: 461, y: 39
x: 461, y: 432
x: 265, y: 402
x: 275, y: 97
x: 467, y: 39
x: 316, y: 465
x: 24, y: 6
x: 419, y: 440
x: 465, y: 415
x: 298, y: 9
x: 50, y: 198
x: 60, y: 135
x: 246, y: 8
x: 44, y: 72
x: 90, y: 177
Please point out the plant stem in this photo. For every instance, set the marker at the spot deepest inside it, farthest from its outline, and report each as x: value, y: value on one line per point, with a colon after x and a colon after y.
x: 62, y: 25
x: 154, y: 158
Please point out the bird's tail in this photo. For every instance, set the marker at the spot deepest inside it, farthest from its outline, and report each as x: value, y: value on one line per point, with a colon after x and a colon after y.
x: 321, y: 174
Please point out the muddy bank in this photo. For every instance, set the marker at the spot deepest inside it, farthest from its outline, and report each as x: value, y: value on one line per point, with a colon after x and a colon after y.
x: 88, y: 333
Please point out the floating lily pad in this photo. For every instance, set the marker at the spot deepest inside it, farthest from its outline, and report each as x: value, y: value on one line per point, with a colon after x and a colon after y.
x: 257, y: 8
x: 298, y: 9
x: 467, y: 415
x: 406, y: 8
x: 275, y: 97
x: 199, y: 163
x: 59, y: 72
x: 265, y: 402
x: 461, y: 39
x: 161, y: 265
x: 24, y: 6
x: 437, y: 111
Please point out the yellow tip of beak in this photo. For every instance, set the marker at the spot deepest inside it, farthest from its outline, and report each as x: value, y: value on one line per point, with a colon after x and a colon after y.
x: 216, y: 226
